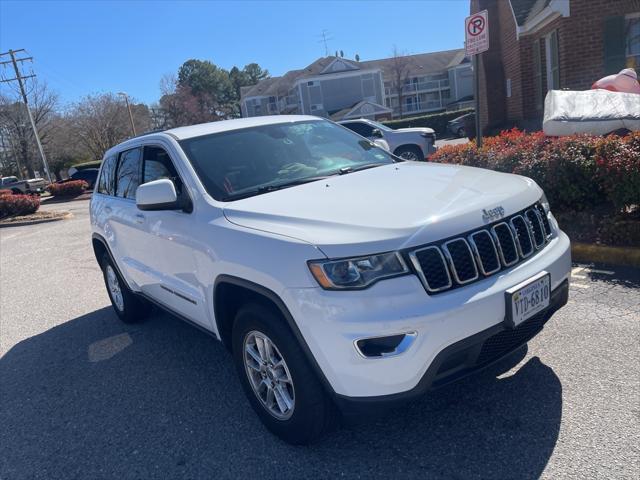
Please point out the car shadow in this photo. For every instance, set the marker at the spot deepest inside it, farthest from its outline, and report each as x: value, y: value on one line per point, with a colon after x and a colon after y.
x: 94, y: 398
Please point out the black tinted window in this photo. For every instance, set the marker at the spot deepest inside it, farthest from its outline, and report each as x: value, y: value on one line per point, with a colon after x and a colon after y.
x: 360, y: 128
x: 128, y: 176
x: 106, y: 177
x: 157, y: 165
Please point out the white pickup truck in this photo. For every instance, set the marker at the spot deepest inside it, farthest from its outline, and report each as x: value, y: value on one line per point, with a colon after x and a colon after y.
x: 25, y: 187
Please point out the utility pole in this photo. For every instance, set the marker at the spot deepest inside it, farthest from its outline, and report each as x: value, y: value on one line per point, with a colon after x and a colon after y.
x: 126, y: 99
x: 19, y: 77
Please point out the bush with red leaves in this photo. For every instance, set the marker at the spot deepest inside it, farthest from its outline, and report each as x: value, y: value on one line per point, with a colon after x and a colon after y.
x: 577, y: 172
x: 5, y: 192
x: 68, y: 189
x: 18, y: 205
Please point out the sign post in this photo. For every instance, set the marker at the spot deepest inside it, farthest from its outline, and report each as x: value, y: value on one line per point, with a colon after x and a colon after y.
x: 476, y: 32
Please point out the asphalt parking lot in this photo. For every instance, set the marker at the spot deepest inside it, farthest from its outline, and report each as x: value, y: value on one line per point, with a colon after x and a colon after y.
x: 85, y: 396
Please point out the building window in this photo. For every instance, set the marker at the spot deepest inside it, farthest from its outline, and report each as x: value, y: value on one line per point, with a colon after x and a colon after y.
x: 553, y: 67
x: 632, y: 37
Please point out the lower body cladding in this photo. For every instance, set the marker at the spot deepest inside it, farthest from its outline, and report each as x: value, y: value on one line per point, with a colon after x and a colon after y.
x: 433, y: 339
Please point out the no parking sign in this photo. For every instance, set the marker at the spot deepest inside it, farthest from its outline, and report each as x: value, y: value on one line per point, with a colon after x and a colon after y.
x: 476, y: 33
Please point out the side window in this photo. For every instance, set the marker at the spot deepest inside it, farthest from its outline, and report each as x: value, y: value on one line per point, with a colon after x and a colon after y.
x: 128, y: 174
x: 360, y: 128
x: 105, y: 184
x: 157, y: 165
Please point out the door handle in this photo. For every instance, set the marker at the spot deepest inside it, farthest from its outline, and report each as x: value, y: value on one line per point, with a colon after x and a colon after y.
x: 139, y: 218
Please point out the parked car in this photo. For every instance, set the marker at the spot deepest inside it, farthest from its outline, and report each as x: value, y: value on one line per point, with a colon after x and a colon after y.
x: 407, y: 143
x: 89, y: 175
x: 25, y: 187
x: 458, y: 126
x: 340, y: 277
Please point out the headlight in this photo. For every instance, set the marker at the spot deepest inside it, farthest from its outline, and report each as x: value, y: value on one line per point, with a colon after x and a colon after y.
x: 545, y: 204
x: 358, y: 272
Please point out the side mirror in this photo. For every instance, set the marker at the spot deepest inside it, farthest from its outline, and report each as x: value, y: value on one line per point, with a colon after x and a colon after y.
x: 157, y: 195
x: 376, y: 133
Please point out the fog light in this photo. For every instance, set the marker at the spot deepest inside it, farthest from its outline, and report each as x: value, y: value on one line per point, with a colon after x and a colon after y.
x: 377, y: 347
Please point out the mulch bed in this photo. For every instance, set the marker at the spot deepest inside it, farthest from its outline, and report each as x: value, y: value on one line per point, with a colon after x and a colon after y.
x: 38, y: 217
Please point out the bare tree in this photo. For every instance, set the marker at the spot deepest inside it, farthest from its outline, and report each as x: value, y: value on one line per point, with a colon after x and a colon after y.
x: 101, y: 121
x: 400, y: 68
x: 17, y: 135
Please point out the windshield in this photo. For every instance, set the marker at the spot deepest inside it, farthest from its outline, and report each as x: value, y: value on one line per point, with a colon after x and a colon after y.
x: 251, y: 161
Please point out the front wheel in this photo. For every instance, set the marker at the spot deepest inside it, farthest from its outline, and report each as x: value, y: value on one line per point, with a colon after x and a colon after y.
x: 410, y: 152
x: 281, y: 386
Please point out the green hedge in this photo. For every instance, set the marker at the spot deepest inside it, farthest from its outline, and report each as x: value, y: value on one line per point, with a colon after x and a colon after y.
x: 437, y: 121
x: 85, y: 165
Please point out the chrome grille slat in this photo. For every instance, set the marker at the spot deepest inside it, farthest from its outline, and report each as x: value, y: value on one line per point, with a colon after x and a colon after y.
x: 522, y: 234
x: 454, y: 262
x: 436, y: 285
x: 537, y: 228
x: 488, y: 257
x: 461, y: 261
x: 505, y: 244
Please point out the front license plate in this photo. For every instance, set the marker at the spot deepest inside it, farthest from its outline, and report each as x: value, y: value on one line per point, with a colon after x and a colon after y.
x: 528, y: 298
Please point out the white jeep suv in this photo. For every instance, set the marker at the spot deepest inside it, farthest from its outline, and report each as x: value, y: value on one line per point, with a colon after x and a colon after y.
x: 341, y: 279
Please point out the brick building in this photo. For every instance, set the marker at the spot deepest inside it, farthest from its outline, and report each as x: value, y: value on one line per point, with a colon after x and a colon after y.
x: 540, y: 45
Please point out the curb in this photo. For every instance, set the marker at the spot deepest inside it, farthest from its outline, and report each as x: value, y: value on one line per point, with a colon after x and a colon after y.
x: 35, y: 222
x: 588, y: 252
x: 52, y: 200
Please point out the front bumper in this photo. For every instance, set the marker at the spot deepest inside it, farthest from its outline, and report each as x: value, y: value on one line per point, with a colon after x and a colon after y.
x: 330, y: 321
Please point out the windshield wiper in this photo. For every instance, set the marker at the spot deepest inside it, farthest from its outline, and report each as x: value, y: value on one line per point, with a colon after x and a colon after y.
x: 345, y: 170
x: 273, y: 188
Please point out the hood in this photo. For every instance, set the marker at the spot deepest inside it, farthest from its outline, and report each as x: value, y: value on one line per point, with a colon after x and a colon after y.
x: 385, y: 208
x: 416, y: 130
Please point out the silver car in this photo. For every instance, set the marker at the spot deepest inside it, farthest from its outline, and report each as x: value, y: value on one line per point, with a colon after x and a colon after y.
x: 407, y: 143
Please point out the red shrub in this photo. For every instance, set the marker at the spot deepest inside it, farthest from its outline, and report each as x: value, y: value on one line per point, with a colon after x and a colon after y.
x: 18, y: 205
x: 576, y: 172
x: 68, y: 189
x: 5, y: 192
x: 618, y: 168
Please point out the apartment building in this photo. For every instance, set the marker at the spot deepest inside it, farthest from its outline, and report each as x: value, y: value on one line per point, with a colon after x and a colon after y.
x: 341, y: 88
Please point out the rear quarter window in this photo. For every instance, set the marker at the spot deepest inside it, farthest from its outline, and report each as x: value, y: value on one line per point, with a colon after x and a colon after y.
x: 105, y: 183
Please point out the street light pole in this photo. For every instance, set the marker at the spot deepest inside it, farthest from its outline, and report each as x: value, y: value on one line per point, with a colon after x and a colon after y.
x: 126, y: 99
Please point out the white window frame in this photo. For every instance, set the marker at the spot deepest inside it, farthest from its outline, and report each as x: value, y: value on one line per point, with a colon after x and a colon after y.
x: 551, y: 84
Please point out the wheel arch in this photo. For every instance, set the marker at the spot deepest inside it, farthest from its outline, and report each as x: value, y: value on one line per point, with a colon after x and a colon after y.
x: 230, y: 293
x: 408, y: 146
x: 100, y: 247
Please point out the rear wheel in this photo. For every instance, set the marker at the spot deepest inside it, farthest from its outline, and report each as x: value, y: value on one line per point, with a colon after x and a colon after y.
x: 281, y: 386
x: 462, y: 132
x: 128, y: 306
x: 410, y: 152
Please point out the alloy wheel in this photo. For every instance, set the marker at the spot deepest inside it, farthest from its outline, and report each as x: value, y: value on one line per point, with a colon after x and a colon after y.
x: 114, y: 288
x: 268, y: 375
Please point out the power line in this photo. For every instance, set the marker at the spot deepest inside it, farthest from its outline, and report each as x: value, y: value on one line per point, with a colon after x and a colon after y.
x: 20, y: 79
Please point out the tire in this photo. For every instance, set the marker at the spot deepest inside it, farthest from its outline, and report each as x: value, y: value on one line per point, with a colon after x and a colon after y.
x: 461, y: 132
x: 311, y: 412
x: 410, y: 152
x: 128, y: 306
x: 15, y: 191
